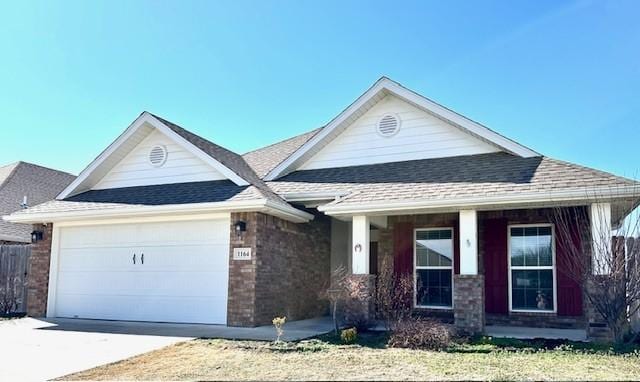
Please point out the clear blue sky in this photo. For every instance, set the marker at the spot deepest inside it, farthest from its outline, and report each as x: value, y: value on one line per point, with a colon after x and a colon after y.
x: 560, y: 77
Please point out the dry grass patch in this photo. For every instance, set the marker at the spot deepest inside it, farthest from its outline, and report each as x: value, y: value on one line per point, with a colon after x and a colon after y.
x: 325, y: 359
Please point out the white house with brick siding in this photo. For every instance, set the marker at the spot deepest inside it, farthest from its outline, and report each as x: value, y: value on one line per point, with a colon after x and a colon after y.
x: 167, y: 226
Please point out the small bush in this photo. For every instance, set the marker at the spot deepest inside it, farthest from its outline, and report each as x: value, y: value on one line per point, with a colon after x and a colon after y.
x: 279, y: 322
x: 420, y: 333
x: 349, y: 336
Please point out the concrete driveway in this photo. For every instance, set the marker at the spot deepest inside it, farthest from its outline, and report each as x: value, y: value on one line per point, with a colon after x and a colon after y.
x: 37, y: 350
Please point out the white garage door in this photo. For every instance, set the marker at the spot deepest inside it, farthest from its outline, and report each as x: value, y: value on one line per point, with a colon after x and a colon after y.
x: 165, y: 272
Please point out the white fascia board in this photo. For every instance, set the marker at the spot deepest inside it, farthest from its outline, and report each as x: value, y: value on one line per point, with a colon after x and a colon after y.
x: 575, y: 195
x: 133, y: 127
x: 280, y: 210
x: 439, y: 111
x: 459, y: 120
x: 137, y: 124
x: 328, y: 129
x: 235, y: 178
x: 313, y: 196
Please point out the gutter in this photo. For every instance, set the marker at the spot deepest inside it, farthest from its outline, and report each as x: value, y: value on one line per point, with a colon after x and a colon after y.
x: 269, y: 207
x: 600, y: 194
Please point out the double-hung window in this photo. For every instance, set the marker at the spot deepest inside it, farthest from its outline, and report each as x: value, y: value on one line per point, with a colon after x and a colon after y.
x: 434, y: 268
x: 531, y: 268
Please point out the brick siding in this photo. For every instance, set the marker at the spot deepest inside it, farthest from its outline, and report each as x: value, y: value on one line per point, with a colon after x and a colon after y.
x: 38, y: 274
x: 289, y: 267
x: 468, y: 303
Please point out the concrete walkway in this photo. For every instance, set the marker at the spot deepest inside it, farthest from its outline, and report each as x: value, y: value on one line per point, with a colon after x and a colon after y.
x: 530, y: 333
x: 293, y: 331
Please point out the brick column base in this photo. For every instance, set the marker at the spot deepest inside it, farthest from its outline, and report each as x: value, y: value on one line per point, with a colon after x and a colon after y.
x: 468, y: 303
x: 597, y: 328
x: 359, y: 309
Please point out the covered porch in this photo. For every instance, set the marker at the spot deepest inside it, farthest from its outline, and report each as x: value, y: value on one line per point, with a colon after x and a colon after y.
x: 483, y: 270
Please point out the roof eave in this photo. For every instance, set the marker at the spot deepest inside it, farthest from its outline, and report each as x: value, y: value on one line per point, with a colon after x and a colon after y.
x: 574, y: 196
x: 262, y: 205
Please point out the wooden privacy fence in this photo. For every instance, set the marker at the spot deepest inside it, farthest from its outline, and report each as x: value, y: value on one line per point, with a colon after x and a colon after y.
x: 14, y: 265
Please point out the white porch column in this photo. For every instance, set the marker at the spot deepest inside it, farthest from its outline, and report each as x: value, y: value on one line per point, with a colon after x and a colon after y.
x: 468, y: 242
x: 360, y: 249
x: 601, y: 237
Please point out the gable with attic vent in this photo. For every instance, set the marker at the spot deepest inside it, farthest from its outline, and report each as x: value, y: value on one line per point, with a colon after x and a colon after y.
x: 394, y: 130
x: 158, y: 159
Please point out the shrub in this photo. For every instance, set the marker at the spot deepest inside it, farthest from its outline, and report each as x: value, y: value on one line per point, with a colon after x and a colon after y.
x: 420, y: 333
x: 393, y: 294
x: 349, y: 336
x: 279, y: 322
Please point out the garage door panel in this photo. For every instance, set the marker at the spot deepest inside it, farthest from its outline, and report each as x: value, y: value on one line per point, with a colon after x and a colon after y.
x: 96, y: 259
x: 182, y: 257
x: 195, y: 284
x: 184, y: 277
x: 167, y: 308
x: 116, y: 283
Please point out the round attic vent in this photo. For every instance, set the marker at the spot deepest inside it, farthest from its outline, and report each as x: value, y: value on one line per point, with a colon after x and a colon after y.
x: 158, y: 155
x: 388, y: 125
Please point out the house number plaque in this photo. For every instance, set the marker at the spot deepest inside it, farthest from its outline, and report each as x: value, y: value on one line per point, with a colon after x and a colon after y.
x: 242, y: 253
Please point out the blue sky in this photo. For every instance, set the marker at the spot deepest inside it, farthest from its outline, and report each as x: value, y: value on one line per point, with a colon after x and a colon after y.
x: 560, y: 77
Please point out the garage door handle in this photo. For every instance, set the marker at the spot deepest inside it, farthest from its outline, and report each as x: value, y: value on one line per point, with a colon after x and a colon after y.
x: 142, y: 258
x: 134, y: 258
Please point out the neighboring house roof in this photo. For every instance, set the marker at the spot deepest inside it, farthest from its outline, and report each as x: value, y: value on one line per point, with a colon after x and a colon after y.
x: 265, y: 159
x: 37, y: 183
x: 450, y: 179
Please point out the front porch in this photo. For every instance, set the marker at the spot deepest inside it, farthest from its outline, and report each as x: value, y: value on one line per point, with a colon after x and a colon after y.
x: 482, y: 270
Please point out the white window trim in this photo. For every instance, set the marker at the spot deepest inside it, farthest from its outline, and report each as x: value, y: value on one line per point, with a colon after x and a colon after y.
x: 553, y: 268
x: 416, y: 267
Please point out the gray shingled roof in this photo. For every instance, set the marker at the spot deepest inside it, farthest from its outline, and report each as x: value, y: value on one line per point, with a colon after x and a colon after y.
x: 153, y: 195
x: 38, y: 183
x: 175, y: 193
x: 228, y: 158
x: 445, y: 178
x: 265, y: 159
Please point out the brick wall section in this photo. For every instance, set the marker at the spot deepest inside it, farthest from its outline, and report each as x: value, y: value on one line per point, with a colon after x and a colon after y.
x: 289, y: 267
x: 242, y: 274
x: 38, y: 276
x: 468, y: 303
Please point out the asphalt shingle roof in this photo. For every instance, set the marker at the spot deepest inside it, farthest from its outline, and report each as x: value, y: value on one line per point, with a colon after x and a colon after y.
x: 265, y: 159
x: 445, y: 178
x: 21, y: 179
x: 228, y: 158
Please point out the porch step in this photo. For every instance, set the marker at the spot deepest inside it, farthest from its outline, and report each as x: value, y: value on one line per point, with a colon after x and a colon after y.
x: 523, y: 332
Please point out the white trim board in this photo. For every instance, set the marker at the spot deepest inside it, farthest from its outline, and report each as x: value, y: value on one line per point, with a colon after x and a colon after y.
x: 382, y: 87
x: 145, y: 120
x: 276, y: 209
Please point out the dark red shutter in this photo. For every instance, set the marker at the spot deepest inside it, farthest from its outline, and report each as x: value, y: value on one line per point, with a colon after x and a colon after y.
x: 569, y: 291
x: 496, y: 282
x: 403, y: 248
x: 456, y: 248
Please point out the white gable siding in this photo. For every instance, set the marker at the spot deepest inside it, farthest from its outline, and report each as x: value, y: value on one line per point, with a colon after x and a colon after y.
x: 135, y: 170
x: 421, y: 136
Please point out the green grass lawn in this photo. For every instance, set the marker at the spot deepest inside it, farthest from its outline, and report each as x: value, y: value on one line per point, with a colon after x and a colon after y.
x: 326, y: 358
